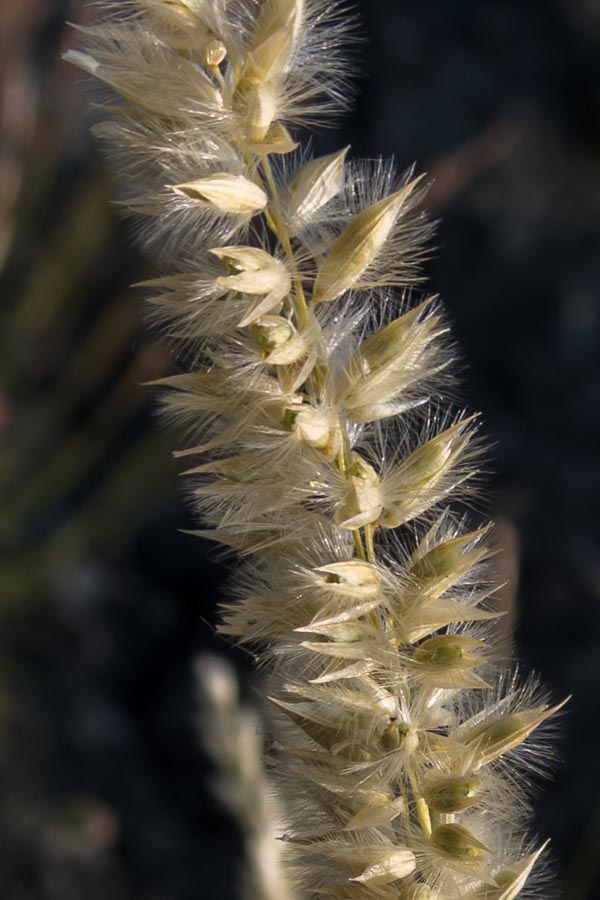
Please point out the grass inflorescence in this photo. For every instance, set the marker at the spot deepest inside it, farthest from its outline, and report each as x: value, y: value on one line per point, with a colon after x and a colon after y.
x: 325, y: 447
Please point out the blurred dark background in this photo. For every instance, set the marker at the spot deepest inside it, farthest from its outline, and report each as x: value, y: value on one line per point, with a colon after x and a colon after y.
x: 104, y: 603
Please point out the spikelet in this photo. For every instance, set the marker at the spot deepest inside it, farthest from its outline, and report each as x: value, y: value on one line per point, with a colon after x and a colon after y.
x: 324, y: 449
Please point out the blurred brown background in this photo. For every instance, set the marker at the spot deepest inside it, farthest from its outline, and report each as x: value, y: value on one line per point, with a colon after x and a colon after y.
x: 104, y: 603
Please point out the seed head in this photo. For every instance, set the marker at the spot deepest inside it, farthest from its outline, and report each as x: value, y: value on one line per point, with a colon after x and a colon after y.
x: 327, y: 450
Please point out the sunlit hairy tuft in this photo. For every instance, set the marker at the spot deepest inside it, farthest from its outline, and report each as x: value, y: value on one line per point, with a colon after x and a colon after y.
x: 324, y: 445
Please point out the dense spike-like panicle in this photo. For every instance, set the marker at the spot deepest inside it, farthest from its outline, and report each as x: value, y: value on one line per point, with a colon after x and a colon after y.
x: 324, y: 448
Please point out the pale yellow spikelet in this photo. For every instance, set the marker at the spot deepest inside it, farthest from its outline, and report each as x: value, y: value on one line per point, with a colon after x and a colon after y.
x: 315, y: 184
x: 268, y: 60
x: 448, y: 660
x: 352, y: 576
x: 254, y: 271
x: 279, y: 14
x: 376, y: 815
x: 453, y: 794
x: 259, y: 101
x: 327, y: 450
x: 511, y: 880
x: 258, y: 93
x: 178, y: 12
x: 187, y: 31
x: 425, y: 476
x: 462, y: 851
x: 423, y: 620
x: 362, y: 503
x: 383, y: 347
x: 435, y: 569
x: 458, y: 842
x: 318, y: 428
x: 500, y: 734
x: 397, y: 864
x: 276, y: 141
x: 279, y: 342
x: 379, y: 864
x: 358, y: 245
x: 390, y: 370
x: 225, y: 193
